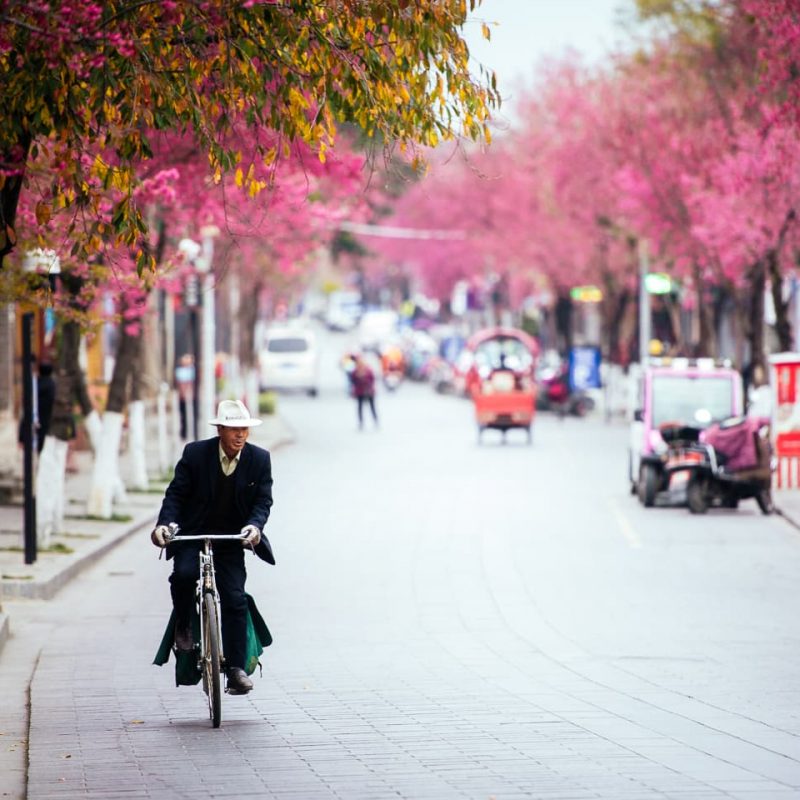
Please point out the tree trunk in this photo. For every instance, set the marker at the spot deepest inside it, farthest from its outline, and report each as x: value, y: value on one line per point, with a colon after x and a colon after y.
x: 70, y: 384
x: 70, y: 389
x: 11, y: 161
x: 754, y: 317
x: 563, y: 318
x: 615, y: 304
x: 673, y: 309
x: 125, y: 364
x: 51, y: 472
x: 106, y: 482
x: 708, y: 345
x: 783, y: 326
x: 70, y: 380
x: 248, y: 347
x: 137, y: 437
x: 107, y: 486
x: 137, y: 420
x: 248, y: 315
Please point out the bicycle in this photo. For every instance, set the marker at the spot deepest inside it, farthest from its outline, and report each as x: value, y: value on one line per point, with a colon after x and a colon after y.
x: 210, y: 658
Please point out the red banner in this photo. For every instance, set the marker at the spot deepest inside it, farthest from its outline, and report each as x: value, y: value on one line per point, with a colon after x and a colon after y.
x: 787, y: 408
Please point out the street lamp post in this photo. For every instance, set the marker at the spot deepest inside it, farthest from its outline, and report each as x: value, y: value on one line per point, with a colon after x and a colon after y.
x: 40, y: 262
x: 204, y: 267
x: 28, y: 420
x: 191, y: 251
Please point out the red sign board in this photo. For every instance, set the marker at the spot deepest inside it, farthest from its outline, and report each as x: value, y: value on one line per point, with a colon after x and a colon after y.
x: 787, y: 406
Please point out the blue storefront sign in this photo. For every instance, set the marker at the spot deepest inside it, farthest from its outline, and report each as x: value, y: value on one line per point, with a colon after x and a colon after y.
x: 584, y: 368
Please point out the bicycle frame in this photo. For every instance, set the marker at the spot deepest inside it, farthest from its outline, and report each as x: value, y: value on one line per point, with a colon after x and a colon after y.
x: 207, y: 575
x: 206, y: 585
x: 210, y: 656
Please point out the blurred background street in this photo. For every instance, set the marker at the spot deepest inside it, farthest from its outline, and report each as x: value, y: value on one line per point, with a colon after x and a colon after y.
x: 450, y: 620
x: 514, y: 287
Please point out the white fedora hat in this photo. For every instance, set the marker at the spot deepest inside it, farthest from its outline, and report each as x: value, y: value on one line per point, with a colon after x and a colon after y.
x: 234, y: 414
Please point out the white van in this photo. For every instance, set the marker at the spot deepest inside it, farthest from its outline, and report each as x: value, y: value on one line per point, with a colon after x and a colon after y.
x: 289, y: 360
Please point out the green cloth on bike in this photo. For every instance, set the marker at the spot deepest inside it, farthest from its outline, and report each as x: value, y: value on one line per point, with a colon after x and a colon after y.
x: 186, y: 671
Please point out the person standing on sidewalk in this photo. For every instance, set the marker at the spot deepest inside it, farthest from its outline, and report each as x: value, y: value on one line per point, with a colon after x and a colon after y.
x: 362, y: 379
x: 221, y: 485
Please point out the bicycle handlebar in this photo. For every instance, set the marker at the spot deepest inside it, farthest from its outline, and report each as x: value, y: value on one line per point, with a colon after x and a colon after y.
x: 214, y: 537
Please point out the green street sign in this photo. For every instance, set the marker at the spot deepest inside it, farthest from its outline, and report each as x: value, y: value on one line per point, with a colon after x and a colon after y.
x: 658, y: 283
x: 586, y: 294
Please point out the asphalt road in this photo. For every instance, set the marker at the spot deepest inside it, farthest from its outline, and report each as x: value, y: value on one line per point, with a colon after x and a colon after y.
x: 450, y: 620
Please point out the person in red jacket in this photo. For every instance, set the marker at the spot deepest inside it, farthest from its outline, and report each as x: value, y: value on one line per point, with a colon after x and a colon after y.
x: 362, y: 379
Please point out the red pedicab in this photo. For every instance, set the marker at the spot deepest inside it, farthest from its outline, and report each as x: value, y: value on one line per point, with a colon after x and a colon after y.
x: 500, y: 380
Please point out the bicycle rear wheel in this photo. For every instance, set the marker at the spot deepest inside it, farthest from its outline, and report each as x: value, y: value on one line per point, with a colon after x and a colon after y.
x: 211, y: 666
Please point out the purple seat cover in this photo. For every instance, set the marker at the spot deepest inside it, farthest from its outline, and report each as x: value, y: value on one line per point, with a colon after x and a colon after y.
x: 737, y: 443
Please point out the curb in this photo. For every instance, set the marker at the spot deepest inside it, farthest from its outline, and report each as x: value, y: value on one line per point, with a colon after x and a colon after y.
x: 4, y: 629
x: 46, y: 589
x: 789, y: 518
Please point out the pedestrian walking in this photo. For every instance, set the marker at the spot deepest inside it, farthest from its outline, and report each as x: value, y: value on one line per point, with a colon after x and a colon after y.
x: 222, y: 485
x: 362, y: 379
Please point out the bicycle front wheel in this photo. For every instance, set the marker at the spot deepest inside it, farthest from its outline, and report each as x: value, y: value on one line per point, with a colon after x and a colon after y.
x: 211, y: 666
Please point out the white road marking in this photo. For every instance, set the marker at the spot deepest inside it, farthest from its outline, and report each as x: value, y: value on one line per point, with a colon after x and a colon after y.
x: 631, y: 537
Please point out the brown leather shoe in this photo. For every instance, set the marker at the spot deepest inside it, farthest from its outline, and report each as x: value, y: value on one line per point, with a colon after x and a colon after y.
x: 238, y: 682
x: 184, y: 641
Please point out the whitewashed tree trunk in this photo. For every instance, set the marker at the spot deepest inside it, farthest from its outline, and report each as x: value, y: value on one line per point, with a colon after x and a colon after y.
x: 50, y: 496
x: 164, y: 439
x: 137, y: 437
x: 94, y: 427
x: 106, y: 482
x: 251, y: 392
x: 175, y: 438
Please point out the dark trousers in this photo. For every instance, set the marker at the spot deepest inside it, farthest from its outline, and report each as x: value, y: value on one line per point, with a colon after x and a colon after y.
x: 231, y: 575
x: 371, y: 401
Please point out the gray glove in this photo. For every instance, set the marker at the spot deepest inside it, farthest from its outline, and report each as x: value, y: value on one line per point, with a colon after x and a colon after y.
x: 252, y: 535
x: 160, y: 536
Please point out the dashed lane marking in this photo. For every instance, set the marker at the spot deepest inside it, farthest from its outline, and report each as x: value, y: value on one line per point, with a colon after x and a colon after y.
x: 625, y: 527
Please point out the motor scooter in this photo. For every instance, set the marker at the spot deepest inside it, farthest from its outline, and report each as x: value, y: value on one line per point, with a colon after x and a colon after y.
x: 393, y: 368
x: 559, y: 396
x: 731, y: 461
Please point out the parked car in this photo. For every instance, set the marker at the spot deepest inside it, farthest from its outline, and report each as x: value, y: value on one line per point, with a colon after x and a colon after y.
x: 289, y: 360
x: 676, y: 392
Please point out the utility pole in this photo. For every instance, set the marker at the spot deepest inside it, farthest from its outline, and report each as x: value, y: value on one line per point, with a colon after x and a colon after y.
x: 28, y: 439
x: 644, y: 303
x: 206, y: 268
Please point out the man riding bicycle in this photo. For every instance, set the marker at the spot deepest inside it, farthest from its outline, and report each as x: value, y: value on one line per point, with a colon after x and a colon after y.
x: 221, y: 485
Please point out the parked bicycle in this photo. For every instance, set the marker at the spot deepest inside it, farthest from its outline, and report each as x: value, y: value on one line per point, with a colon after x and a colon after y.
x: 210, y: 656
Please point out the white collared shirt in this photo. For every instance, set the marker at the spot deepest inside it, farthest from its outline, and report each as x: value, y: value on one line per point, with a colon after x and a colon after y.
x: 228, y: 464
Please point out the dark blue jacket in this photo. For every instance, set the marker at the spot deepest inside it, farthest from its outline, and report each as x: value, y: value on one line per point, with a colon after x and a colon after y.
x: 190, y: 494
